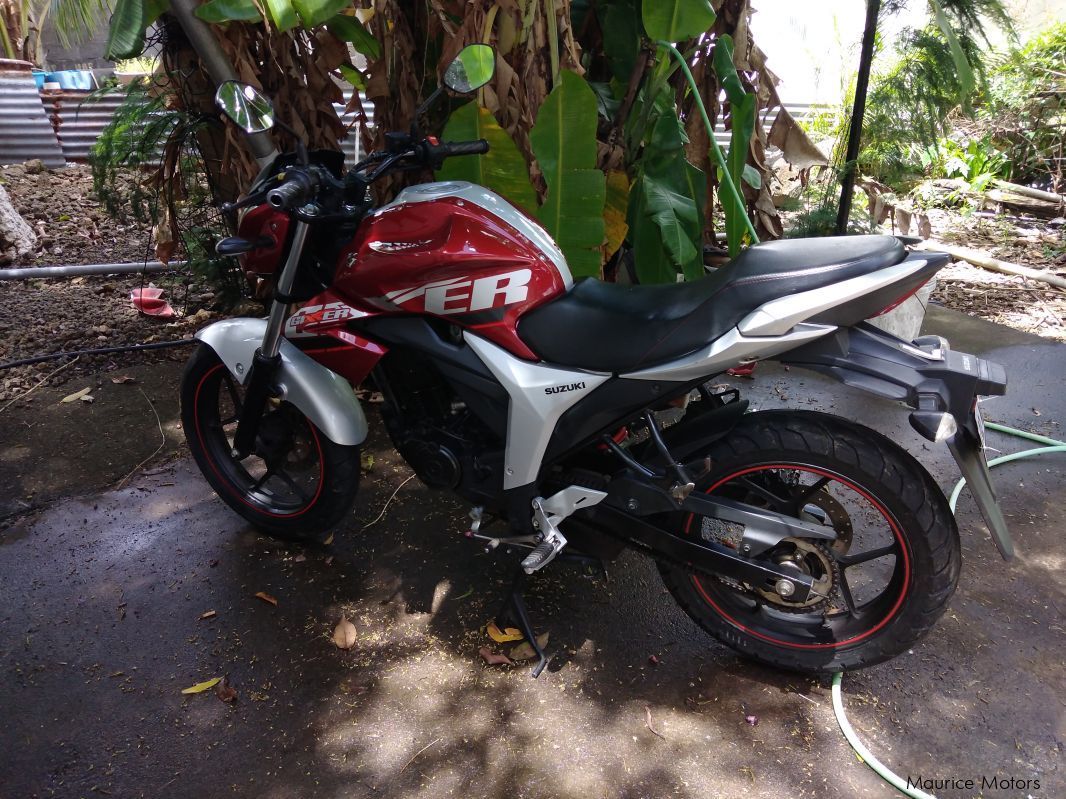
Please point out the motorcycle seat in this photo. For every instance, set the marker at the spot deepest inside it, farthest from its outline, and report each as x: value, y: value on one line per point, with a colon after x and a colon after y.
x: 611, y: 327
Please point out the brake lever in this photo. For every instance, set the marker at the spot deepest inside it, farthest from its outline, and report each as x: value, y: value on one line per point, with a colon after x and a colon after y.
x: 252, y: 199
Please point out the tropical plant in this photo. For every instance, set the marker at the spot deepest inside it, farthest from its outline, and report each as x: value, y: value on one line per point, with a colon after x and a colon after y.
x: 593, y: 128
x: 23, y: 22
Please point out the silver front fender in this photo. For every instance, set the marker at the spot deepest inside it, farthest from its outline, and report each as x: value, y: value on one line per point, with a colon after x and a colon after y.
x: 322, y: 396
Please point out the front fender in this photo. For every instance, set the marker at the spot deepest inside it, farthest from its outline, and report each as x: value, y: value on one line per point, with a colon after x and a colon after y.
x: 322, y: 396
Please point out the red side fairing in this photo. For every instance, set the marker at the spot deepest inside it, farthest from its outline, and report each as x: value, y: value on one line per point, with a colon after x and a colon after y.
x: 264, y: 222
x: 319, y: 328
x: 449, y: 259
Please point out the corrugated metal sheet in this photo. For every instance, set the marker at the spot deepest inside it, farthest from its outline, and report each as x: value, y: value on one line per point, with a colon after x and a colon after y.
x: 25, y: 132
x: 81, y: 120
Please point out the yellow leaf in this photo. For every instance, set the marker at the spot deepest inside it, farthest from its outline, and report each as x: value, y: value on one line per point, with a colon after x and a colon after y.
x: 77, y: 395
x: 614, y: 211
x: 367, y: 461
x: 524, y: 651
x: 200, y: 687
x: 504, y: 635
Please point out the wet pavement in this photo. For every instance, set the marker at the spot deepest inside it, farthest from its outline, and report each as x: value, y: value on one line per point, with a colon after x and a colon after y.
x: 101, y: 629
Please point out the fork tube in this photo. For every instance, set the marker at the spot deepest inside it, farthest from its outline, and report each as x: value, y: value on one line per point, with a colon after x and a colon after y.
x: 276, y: 322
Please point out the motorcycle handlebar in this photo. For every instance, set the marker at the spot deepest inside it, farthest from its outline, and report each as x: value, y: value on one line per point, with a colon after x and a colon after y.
x: 296, y: 190
x: 447, y: 149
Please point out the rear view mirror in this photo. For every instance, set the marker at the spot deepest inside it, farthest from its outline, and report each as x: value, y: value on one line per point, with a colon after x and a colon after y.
x: 249, y: 108
x: 471, y: 69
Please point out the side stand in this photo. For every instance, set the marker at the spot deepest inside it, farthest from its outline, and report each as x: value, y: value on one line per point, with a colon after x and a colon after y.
x: 514, y: 607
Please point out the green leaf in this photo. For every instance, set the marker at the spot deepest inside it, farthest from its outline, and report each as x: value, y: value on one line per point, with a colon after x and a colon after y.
x: 315, y: 12
x: 353, y: 76
x: 958, y: 56
x: 742, y: 107
x: 674, y: 20
x: 349, y: 29
x: 564, y: 144
x: 217, y: 11
x: 125, y: 36
x: 751, y: 176
x: 621, y: 36
x: 502, y: 168
x: 283, y: 14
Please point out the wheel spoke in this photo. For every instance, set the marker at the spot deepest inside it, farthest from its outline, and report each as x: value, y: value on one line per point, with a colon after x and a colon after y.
x: 849, y: 600
x: 765, y: 493
x: 292, y: 484
x: 865, y: 557
x: 266, y: 476
x: 804, y: 498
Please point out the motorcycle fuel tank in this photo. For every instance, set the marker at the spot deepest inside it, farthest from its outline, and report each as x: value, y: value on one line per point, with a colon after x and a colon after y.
x: 456, y: 251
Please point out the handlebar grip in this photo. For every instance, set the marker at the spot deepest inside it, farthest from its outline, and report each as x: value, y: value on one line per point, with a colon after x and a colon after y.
x: 297, y: 189
x: 478, y: 147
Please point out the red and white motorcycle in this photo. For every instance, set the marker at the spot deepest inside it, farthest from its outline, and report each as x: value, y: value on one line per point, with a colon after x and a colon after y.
x: 800, y: 539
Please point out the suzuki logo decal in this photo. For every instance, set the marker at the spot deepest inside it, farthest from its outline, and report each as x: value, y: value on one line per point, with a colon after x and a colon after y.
x: 463, y: 295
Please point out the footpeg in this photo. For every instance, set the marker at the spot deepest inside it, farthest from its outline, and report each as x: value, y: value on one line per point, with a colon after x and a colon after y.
x: 551, y: 540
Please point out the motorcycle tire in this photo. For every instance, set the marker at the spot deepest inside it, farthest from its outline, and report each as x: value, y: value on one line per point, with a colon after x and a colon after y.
x: 297, y: 485
x: 823, y: 468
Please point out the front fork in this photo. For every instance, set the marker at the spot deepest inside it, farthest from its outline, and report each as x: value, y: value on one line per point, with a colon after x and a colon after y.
x: 259, y: 383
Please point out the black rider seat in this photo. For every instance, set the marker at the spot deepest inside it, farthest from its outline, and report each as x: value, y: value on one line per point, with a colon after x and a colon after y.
x: 610, y: 327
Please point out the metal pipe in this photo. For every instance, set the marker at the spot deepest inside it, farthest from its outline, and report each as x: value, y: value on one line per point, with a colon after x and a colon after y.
x: 80, y: 270
x: 862, y: 85
x: 218, y: 67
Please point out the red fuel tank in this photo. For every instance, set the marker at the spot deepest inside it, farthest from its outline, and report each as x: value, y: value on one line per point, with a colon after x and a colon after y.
x: 457, y: 251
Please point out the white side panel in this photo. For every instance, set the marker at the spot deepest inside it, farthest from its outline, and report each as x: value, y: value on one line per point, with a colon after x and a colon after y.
x: 777, y: 317
x: 494, y: 204
x: 730, y: 350
x: 539, y: 396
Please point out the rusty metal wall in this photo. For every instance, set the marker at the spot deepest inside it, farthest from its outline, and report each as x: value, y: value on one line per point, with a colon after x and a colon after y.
x: 25, y: 132
x: 82, y: 119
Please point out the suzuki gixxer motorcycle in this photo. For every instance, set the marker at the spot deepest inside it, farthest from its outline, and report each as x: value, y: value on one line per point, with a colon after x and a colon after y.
x: 799, y: 539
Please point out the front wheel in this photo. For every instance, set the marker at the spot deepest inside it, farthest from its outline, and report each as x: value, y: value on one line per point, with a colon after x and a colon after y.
x: 297, y: 484
x: 879, y: 587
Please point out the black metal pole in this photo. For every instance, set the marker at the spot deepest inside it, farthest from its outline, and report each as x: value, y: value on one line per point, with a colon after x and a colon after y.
x: 862, y: 84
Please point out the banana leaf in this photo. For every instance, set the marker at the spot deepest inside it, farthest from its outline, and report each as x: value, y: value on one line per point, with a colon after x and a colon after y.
x: 315, y: 12
x: 742, y: 107
x: 125, y: 36
x: 350, y: 29
x: 502, y: 168
x: 674, y: 20
x: 283, y: 14
x: 564, y: 143
x: 217, y: 11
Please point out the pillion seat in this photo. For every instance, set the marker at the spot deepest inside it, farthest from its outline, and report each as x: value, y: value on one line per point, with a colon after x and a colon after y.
x: 620, y: 328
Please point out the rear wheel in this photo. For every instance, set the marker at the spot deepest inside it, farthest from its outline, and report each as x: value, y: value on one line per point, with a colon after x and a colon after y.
x: 880, y: 585
x: 297, y: 483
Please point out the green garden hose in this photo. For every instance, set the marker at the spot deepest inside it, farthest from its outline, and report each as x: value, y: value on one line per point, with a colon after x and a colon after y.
x: 1049, y: 445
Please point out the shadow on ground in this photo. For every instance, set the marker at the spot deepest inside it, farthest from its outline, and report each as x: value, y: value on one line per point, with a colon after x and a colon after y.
x: 101, y: 629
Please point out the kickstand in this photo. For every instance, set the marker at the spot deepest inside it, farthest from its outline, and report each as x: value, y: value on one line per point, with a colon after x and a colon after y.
x: 514, y: 609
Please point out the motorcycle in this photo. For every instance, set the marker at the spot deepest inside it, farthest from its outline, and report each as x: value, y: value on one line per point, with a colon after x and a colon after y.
x: 583, y: 415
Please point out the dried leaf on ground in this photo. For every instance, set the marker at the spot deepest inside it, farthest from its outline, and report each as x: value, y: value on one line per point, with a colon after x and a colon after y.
x: 524, y: 651
x: 367, y: 462
x: 648, y: 724
x: 77, y: 395
x: 88, y: 399
x: 506, y: 635
x: 208, y: 614
x: 121, y: 379
x: 225, y: 691
x: 344, y: 634
x: 494, y: 658
x: 200, y: 687
x: 752, y: 719
x: 266, y: 597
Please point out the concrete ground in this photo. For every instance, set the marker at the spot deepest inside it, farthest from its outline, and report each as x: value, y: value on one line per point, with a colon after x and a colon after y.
x: 100, y: 630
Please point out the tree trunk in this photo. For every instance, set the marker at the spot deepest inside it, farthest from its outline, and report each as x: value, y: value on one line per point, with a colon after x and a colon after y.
x: 17, y: 239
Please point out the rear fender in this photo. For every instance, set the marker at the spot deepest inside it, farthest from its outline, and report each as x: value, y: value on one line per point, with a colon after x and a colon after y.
x: 941, y: 385
x: 322, y: 396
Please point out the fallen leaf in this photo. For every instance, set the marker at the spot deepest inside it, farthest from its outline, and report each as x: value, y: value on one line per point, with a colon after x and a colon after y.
x: 1036, y: 412
x: 123, y: 379
x: 208, y: 614
x: 344, y: 634
x: 647, y: 722
x: 494, y: 658
x: 299, y: 558
x: 367, y: 461
x: 505, y: 635
x: 266, y: 597
x: 653, y: 660
x: 524, y: 651
x: 200, y: 687
x: 225, y: 691
x: 752, y: 719
x: 329, y: 540
x: 88, y: 399
x: 77, y: 395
